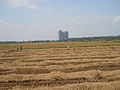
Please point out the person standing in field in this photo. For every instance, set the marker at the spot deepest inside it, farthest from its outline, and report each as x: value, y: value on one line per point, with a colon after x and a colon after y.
x: 19, y: 48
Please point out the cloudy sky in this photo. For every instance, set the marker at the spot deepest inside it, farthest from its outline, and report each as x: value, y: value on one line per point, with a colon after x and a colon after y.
x: 42, y: 19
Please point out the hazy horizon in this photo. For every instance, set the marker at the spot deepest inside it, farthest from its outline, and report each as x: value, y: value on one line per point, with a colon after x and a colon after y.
x: 24, y: 20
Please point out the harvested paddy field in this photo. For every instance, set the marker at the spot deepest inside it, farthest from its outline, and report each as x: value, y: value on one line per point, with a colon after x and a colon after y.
x: 51, y: 66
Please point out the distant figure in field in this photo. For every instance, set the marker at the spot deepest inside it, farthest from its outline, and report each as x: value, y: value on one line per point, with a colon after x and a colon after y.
x: 68, y: 47
x: 19, y: 48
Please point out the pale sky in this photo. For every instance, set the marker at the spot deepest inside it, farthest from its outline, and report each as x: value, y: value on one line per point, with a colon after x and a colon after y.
x: 22, y: 20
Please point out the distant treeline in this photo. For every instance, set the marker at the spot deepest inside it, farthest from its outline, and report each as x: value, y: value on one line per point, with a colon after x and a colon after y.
x: 70, y: 39
x: 35, y: 41
x: 96, y: 38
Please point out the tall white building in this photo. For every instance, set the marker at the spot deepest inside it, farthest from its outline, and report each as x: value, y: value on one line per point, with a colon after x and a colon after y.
x: 63, y: 35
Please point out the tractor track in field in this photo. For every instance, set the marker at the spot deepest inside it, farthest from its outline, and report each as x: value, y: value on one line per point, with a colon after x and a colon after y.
x: 102, y: 67
x: 56, y: 81
x: 73, y: 58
